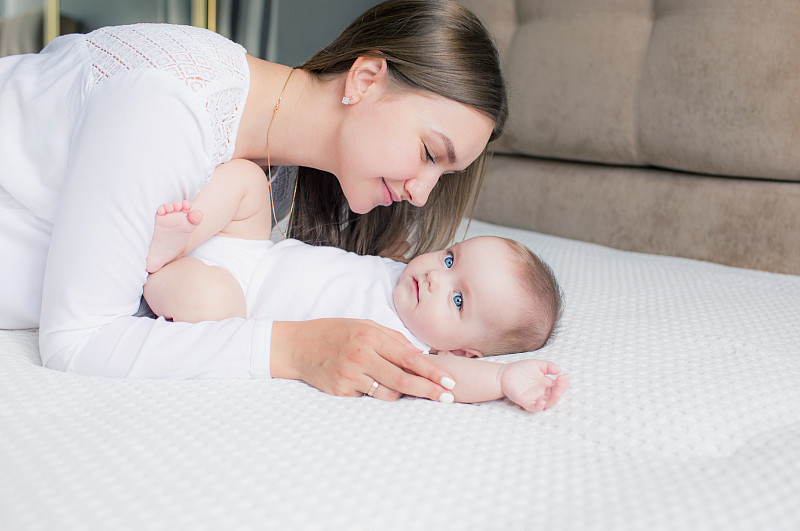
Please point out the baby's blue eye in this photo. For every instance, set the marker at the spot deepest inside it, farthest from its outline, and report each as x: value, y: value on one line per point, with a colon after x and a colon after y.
x: 458, y: 300
x: 448, y: 261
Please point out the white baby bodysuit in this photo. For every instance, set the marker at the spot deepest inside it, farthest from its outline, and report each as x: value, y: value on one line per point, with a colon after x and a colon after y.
x: 293, y: 281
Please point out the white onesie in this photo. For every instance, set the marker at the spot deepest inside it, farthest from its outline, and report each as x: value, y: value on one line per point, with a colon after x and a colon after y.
x: 293, y: 281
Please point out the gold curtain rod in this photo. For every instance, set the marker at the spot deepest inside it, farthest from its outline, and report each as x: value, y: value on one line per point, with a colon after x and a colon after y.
x: 212, y: 15
x: 52, y: 20
x: 204, y: 15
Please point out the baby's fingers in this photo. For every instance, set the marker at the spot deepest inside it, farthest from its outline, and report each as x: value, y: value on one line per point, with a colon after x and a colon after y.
x: 548, y: 367
x: 559, y: 386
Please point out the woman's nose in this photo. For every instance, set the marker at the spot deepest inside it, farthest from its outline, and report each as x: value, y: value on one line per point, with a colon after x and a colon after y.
x: 419, y: 188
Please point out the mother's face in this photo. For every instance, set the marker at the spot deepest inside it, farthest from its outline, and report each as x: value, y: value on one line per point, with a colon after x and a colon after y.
x: 395, y: 146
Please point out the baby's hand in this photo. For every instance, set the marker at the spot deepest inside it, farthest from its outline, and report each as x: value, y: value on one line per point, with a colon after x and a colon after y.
x: 526, y: 383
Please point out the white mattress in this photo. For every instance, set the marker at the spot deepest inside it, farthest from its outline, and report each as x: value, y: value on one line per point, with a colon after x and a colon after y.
x: 682, y: 413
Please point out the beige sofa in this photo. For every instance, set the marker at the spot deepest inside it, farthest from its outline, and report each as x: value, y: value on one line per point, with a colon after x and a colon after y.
x: 664, y: 126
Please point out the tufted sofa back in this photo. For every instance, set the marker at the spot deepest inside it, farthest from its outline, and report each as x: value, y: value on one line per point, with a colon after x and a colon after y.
x: 693, y: 85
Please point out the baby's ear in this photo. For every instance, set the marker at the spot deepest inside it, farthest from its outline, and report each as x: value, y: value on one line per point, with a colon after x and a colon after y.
x: 464, y: 353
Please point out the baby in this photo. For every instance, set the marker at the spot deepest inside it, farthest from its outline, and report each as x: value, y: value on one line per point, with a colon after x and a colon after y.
x: 480, y: 297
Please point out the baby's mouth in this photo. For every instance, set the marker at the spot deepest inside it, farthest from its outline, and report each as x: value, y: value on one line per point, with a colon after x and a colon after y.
x: 416, y: 288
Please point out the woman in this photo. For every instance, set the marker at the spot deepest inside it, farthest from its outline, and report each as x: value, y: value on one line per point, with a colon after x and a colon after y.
x: 98, y: 130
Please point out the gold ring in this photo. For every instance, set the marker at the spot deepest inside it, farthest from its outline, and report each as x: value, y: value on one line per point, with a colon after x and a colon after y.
x: 375, y: 385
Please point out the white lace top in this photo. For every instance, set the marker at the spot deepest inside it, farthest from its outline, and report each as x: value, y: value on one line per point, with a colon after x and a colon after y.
x: 96, y: 132
x: 213, y: 67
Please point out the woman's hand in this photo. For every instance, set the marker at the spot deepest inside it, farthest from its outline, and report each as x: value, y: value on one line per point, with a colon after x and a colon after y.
x: 344, y: 357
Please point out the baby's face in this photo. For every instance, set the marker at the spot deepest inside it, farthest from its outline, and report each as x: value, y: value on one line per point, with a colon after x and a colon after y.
x: 457, y: 298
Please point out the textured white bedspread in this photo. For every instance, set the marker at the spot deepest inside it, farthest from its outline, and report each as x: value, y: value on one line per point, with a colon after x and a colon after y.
x: 683, y: 412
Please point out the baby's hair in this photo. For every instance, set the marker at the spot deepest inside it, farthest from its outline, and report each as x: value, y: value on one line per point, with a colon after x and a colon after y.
x: 543, y: 305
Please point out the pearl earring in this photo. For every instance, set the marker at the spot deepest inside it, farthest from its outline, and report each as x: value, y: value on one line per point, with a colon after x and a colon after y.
x: 346, y: 100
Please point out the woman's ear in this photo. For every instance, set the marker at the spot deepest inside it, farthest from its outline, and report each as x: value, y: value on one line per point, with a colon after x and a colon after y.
x: 367, y: 77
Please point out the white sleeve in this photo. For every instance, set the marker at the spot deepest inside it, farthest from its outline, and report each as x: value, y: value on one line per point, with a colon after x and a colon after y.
x: 141, y: 141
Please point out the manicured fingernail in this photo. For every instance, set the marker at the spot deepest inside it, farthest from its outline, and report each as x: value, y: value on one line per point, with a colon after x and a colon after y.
x: 446, y: 398
x: 447, y: 382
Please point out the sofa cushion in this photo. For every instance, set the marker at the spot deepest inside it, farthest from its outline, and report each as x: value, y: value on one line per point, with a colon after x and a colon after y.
x: 695, y: 85
x: 720, y: 88
x: 739, y: 222
x: 573, y: 73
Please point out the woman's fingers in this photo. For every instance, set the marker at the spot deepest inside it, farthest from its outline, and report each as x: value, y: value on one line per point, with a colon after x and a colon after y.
x: 384, y: 393
x: 419, y: 365
x: 403, y: 369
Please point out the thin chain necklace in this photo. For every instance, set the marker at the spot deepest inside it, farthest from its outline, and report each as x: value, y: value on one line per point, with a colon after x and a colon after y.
x: 269, y: 166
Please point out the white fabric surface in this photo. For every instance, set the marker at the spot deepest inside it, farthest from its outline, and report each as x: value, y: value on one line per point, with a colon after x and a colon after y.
x: 681, y: 414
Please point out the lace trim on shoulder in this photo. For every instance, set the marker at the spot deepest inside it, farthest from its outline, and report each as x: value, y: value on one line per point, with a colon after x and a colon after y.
x: 209, y: 64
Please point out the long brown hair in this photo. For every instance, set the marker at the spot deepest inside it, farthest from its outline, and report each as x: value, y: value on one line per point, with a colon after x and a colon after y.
x: 429, y: 45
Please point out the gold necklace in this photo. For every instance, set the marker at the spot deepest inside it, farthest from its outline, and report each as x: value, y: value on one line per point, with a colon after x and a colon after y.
x: 269, y: 166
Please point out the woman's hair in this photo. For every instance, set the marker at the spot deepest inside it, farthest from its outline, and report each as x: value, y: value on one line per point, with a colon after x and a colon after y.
x: 542, y: 304
x: 429, y: 45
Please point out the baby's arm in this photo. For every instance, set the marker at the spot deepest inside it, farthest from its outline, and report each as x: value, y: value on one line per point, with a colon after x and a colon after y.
x: 524, y: 382
x: 234, y: 203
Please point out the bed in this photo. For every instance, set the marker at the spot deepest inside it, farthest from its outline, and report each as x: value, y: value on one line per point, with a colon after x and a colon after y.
x: 682, y: 413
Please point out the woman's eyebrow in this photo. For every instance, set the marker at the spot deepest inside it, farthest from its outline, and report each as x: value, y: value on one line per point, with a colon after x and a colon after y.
x: 448, y: 144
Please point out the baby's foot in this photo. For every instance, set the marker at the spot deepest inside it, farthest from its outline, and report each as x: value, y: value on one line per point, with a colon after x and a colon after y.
x: 175, y: 223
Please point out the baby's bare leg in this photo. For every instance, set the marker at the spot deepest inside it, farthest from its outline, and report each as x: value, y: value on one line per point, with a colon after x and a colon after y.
x: 189, y: 290
x: 235, y: 203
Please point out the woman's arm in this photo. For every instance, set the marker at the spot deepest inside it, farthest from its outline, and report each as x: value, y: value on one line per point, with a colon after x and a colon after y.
x: 140, y: 144
x: 524, y: 382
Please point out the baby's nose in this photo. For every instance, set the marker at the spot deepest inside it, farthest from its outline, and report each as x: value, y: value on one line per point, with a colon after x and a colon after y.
x: 433, y: 279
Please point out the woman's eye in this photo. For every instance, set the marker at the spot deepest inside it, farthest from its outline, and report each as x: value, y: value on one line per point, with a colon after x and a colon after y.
x: 428, y: 155
x: 448, y: 261
x: 458, y: 300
